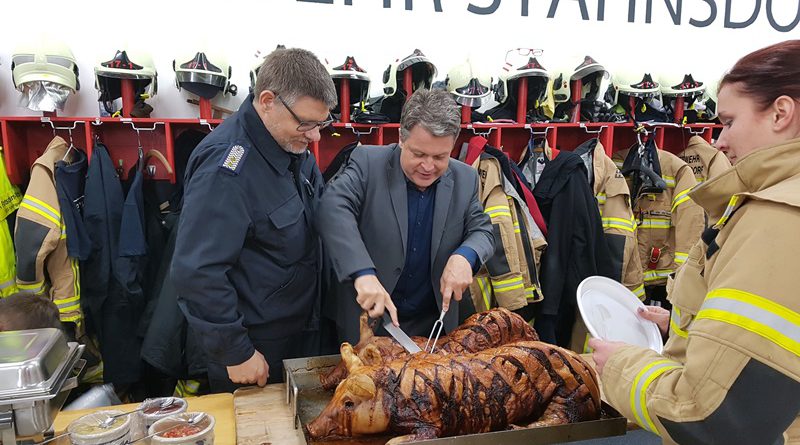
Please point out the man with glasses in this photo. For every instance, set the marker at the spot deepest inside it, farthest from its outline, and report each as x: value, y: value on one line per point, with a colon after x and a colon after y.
x: 246, y: 260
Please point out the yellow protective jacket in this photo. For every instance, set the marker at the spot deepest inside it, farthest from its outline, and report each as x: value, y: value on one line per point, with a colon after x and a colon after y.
x: 667, y: 221
x: 736, y: 376
x: 509, y: 277
x: 705, y: 161
x: 43, y: 266
x: 10, y: 197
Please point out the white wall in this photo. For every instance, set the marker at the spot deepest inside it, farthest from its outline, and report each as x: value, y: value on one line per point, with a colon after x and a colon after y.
x: 375, y: 35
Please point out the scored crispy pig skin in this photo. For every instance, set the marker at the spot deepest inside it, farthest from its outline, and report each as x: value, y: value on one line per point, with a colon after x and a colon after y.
x: 424, y: 396
x: 480, y: 331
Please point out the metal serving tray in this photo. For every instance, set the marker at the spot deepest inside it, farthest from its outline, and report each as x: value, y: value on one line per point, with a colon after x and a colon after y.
x: 307, y: 399
x: 38, y: 368
x: 30, y: 361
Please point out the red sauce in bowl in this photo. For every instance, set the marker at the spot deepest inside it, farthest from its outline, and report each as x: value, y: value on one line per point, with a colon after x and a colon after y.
x: 181, y: 431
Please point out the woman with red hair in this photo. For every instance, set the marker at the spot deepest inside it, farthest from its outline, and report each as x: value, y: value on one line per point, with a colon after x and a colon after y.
x: 730, y: 371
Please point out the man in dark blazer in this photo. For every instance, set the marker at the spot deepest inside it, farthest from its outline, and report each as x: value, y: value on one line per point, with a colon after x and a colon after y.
x: 403, y: 226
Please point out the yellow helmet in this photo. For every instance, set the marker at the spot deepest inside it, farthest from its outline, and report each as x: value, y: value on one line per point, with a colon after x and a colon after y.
x: 48, y: 61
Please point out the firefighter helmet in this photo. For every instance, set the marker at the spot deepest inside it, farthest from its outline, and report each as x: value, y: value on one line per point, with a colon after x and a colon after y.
x: 635, y: 85
x: 514, y: 69
x: 682, y: 85
x: 685, y: 86
x: 468, y: 84
x: 131, y: 65
x: 199, y: 75
x: 358, y: 77
x: 595, y: 80
x: 50, y: 61
x: 422, y: 73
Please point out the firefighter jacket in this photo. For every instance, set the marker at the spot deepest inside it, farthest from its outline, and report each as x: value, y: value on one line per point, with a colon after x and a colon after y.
x: 668, y: 223
x: 705, y: 161
x: 739, y: 377
x: 509, y: 277
x: 43, y: 265
x: 10, y: 198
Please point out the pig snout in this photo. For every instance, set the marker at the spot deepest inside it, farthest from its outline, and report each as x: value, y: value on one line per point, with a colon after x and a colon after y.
x: 322, y: 426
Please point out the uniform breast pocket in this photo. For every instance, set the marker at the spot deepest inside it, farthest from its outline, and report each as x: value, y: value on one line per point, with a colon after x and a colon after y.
x: 283, y: 232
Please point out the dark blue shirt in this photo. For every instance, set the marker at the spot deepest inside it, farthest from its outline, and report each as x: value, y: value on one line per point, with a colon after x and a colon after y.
x: 413, y: 293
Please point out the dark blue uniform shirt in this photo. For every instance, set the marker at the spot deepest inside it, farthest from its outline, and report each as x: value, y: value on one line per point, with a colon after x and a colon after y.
x: 246, y: 260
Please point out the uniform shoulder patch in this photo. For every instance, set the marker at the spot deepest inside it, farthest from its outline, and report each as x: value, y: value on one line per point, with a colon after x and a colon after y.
x: 234, y: 159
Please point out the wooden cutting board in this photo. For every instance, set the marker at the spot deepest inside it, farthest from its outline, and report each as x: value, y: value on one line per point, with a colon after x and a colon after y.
x: 263, y: 417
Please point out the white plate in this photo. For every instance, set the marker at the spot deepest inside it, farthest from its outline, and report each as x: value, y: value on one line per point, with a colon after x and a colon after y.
x: 609, y: 311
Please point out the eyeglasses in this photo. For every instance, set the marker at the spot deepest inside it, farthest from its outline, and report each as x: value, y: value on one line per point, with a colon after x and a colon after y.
x: 307, y: 125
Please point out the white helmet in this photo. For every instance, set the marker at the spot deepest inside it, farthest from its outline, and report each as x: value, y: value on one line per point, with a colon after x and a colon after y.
x: 202, y: 77
x: 49, y: 61
x: 422, y: 73
x: 683, y: 85
x: 595, y: 80
x: 635, y: 85
x: 359, y: 79
x: 132, y: 65
x: 257, y: 66
x: 537, y: 75
x: 680, y: 85
x: 468, y: 85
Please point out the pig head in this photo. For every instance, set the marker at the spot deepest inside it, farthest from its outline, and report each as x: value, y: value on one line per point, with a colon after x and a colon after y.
x: 358, y: 406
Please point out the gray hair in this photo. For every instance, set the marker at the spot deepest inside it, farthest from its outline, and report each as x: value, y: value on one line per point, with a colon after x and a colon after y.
x: 435, y: 110
x: 293, y: 73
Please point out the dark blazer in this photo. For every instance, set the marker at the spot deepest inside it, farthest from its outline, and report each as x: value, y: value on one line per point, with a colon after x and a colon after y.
x: 363, y: 222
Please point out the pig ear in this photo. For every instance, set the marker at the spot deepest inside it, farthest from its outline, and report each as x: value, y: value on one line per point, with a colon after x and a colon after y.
x: 350, y: 358
x: 361, y: 386
x: 370, y: 355
x: 364, y: 328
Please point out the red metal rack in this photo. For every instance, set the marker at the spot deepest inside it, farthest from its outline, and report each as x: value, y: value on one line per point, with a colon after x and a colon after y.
x: 514, y: 138
x: 24, y: 139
